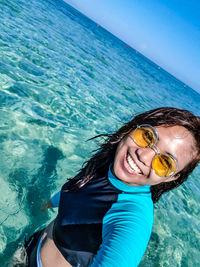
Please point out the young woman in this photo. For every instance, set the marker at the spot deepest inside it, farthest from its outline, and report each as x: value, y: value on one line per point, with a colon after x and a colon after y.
x: 105, y: 214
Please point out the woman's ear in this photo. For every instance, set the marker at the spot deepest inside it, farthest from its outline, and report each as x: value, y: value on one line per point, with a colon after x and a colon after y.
x: 173, y: 178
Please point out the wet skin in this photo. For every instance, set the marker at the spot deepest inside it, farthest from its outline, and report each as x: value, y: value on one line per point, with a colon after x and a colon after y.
x: 175, y: 140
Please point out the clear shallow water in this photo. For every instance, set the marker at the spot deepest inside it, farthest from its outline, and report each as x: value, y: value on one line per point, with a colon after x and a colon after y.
x: 62, y: 81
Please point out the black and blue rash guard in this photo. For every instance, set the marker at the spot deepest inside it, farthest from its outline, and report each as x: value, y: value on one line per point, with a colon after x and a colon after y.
x: 105, y: 223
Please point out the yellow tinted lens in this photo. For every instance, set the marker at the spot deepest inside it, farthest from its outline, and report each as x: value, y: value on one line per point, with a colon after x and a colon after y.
x: 164, y: 165
x: 144, y: 137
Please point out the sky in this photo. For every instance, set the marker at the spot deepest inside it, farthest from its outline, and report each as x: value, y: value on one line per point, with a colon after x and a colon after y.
x: 165, y: 31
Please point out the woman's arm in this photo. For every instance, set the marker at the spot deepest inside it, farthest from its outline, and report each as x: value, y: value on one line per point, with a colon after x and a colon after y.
x: 125, y: 239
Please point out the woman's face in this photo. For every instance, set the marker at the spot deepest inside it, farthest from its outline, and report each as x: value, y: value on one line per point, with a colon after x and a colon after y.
x: 175, y: 140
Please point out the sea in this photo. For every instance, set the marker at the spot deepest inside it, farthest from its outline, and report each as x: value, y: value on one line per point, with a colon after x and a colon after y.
x: 63, y: 80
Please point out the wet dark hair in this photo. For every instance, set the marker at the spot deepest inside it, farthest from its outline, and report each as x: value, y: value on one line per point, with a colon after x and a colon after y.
x: 98, y: 165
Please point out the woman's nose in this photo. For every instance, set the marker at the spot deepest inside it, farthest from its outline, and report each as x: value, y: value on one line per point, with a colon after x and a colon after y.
x: 146, y: 155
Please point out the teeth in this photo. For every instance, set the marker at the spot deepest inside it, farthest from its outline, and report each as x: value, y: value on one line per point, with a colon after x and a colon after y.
x: 132, y: 164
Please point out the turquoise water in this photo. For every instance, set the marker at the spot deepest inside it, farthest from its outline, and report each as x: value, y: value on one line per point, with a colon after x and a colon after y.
x: 63, y: 80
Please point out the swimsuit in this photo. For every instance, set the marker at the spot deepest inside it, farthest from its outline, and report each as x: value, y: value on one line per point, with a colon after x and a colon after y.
x: 104, y: 223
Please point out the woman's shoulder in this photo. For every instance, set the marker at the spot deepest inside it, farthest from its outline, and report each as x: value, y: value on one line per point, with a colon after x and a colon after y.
x: 131, y: 214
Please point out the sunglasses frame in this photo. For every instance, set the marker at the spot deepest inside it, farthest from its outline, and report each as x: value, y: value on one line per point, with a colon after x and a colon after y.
x: 155, y: 147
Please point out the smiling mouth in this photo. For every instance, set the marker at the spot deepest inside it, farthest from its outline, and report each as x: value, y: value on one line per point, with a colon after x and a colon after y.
x: 132, y: 164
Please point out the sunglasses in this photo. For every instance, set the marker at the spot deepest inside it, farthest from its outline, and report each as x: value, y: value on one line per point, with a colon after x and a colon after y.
x: 145, y: 135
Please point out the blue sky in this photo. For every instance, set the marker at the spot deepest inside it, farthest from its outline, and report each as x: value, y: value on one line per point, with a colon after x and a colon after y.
x: 167, y: 32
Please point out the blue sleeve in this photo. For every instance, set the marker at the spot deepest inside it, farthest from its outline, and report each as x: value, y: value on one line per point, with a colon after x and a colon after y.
x: 125, y: 240
x: 55, y: 199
